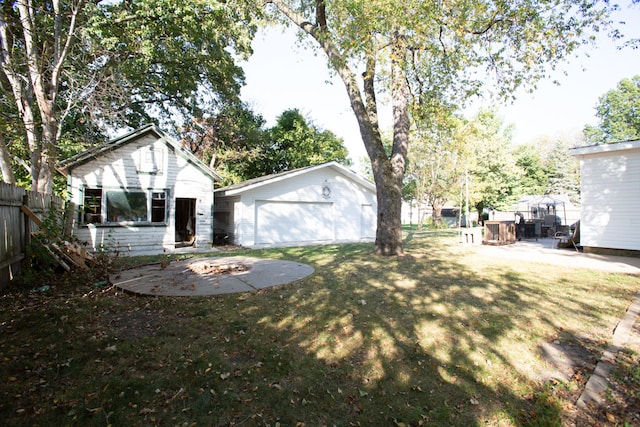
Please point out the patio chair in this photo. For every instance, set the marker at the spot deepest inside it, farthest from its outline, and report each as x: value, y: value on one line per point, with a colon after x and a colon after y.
x: 566, y: 238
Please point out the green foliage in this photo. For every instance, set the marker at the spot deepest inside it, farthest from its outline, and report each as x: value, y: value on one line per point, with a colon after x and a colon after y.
x: 230, y: 141
x: 40, y: 265
x: 563, y: 171
x: 618, y: 112
x: 295, y: 142
x: 437, y: 159
x: 235, y: 143
x: 128, y: 63
x: 495, y: 175
x: 534, y: 179
x: 170, y: 60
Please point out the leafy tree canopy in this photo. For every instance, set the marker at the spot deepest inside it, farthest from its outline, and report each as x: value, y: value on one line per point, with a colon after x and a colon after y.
x: 237, y: 145
x: 496, y: 177
x: 230, y: 142
x: 168, y: 60
x: 295, y: 142
x: 65, y: 64
x: 534, y: 179
x: 618, y: 112
x: 433, y: 53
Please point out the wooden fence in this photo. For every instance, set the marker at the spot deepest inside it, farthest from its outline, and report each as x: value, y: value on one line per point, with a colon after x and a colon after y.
x: 17, y: 227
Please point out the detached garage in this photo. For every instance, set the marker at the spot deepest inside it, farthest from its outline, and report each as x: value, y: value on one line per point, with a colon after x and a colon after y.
x: 610, y: 193
x: 320, y: 204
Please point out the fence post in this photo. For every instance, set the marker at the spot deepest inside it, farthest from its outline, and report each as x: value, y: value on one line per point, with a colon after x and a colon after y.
x: 26, y: 241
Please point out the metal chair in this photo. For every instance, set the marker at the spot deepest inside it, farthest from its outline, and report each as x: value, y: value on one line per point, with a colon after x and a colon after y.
x: 564, y: 237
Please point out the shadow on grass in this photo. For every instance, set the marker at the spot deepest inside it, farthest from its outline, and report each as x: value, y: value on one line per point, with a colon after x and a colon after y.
x: 424, y: 339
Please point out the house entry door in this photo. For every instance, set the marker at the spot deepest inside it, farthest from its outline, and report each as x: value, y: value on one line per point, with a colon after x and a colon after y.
x: 185, y: 220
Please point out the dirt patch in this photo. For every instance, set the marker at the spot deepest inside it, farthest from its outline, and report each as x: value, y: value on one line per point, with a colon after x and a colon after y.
x: 133, y: 324
x: 210, y: 268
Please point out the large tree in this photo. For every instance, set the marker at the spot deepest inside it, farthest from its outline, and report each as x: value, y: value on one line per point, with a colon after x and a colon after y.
x: 529, y: 157
x: 618, y: 112
x: 435, y: 51
x: 295, y: 142
x: 231, y: 142
x: 496, y: 176
x: 437, y: 161
x: 115, y: 63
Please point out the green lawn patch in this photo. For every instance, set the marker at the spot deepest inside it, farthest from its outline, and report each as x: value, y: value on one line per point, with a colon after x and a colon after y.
x: 438, y: 337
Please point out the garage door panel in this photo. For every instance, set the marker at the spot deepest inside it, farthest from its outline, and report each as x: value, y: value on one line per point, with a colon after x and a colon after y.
x: 288, y: 222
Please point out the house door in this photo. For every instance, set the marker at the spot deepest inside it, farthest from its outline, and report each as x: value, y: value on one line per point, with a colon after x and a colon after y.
x: 185, y: 221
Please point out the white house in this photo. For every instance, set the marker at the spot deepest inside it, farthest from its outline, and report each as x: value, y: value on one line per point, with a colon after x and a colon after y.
x: 320, y: 204
x: 610, y: 192
x: 141, y: 193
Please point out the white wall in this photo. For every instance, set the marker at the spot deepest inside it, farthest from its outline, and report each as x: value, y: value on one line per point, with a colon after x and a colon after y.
x: 117, y: 169
x: 610, y: 192
x: 348, y: 213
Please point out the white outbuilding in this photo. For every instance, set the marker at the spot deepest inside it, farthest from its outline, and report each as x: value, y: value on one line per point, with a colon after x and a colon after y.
x: 610, y: 193
x: 141, y: 193
x: 320, y: 204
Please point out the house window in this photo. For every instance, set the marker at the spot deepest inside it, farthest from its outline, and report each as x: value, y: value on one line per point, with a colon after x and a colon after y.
x: 150, y: 160
x: 158, y: 206
x: 92, y: 205
x: 124, y: 206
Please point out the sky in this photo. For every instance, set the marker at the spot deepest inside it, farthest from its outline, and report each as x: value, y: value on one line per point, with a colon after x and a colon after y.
x: 281, y: 75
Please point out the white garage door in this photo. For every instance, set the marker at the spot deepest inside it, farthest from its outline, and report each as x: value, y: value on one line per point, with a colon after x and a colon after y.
x: 367, y: 222
x: 290, y: 222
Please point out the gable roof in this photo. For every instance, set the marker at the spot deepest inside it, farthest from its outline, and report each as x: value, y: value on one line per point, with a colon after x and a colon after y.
x: 605, y: 148
x: 67, y: 165
x: 270, y: 179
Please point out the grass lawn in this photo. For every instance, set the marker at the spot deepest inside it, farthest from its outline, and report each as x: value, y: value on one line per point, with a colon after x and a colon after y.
x: 442, y: 336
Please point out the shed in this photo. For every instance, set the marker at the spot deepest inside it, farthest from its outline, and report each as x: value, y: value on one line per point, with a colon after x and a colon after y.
x: 141, y: 193
x: 610, y: 193
x: 320, y: 204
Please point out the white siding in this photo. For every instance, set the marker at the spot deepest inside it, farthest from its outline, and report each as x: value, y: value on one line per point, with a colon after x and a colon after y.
x: 124, y: 168
x: 305, y: 214
x: 293, y: 222
x: 610, y: 184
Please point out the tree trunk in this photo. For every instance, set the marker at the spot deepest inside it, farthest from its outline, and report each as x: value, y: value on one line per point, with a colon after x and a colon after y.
x: 437, y: 214
x: 389, y: 196
x: 388, y: 172
x: 44, y: 183
x: 5, y: 163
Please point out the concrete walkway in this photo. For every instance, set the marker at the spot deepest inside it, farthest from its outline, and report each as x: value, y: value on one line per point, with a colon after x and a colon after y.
x: 594, y: 390
x: 543, y: 251
x: 209, y: 276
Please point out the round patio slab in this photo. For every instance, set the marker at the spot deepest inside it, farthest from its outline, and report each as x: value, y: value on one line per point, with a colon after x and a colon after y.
x: 209, y: 276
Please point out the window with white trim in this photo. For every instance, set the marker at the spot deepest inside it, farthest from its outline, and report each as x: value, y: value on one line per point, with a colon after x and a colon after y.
x: 150, y: 160
x: 131, y: 206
